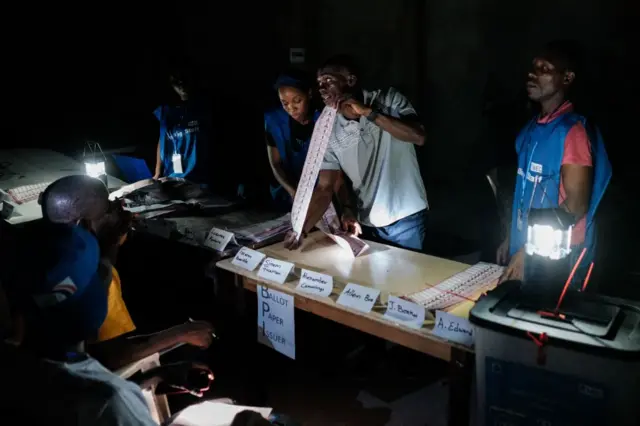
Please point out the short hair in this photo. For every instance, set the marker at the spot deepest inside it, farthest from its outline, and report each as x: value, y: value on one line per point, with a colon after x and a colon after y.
x: 565, y: 55
x: 340, y: 63
x: 72, y: 198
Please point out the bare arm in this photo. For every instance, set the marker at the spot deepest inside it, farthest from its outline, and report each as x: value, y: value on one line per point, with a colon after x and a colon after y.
x: 406, y: 129
x: 123, y: 350
x: 278, y: 172
x: 321, y: 197
x: 576, y: 180
x: 158, y: 170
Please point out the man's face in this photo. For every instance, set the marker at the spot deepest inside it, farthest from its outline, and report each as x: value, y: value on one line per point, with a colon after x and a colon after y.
x: 178, y: 87
x: 546, y: 80
x: 334, y: 85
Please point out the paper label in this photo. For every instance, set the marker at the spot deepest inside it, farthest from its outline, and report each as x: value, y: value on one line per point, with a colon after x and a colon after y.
x: 276, y: 321
x: 176, y: 159
x: 358, y: 297
x: 275, y: 270
x: 408, y: 313
x: 316, y: 283
x: 218, y: 239
x: 247, y: 259
x: 454, y: 328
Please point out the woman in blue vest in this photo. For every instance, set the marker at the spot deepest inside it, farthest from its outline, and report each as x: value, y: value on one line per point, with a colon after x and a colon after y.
x: 562, y: 161
x: 185, y: 128
x: 288, y: 130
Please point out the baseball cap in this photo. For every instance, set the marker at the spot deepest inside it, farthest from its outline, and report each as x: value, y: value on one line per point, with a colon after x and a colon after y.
x: 66, y: 293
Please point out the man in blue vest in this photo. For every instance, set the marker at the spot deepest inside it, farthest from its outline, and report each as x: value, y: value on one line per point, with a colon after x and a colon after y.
x: 562, y: 161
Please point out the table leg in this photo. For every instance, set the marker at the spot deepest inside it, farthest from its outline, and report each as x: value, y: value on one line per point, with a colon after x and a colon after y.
x: 460, y: 379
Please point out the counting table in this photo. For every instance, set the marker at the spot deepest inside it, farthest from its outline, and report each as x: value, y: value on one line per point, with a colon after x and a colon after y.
x: 393, y: 271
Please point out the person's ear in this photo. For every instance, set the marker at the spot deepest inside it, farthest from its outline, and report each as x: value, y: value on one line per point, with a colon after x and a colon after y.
x: 351, y: 80
x: 569, y: 76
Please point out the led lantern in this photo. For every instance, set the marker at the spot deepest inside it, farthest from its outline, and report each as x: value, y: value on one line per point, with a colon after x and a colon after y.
x: 95, y: 161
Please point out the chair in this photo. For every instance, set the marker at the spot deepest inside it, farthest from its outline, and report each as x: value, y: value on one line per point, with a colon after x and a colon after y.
x: 158, y: 404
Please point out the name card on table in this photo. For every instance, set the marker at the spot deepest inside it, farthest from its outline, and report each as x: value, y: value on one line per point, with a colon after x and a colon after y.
x: 275, y: 270
x: 247, y: 259
x: 276, y: 321
x: 358, y: 297
x: 218, y: 239
x: 454, y: 328
x: 316, y: 283
x: 405, y: 312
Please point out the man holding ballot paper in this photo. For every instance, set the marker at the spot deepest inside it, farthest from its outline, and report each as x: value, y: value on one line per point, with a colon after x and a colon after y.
x: 372, y: 143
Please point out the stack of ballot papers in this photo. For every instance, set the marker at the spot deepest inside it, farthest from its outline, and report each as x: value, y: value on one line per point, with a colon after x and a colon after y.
x: 211, y: 413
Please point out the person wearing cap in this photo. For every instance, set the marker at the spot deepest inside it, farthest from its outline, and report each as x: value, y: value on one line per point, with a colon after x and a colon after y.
x: 562, y: 161
x: 288, y: 130
x: 59, y: 303
x: 373, y: 143
x: 184, y: 146
x: 84, y: 200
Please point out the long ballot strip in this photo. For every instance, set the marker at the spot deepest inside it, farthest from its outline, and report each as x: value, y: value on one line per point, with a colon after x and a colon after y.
x: 330, y: 225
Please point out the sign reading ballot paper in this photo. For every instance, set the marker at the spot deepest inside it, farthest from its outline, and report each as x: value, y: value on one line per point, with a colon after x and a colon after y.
x: 358, y: 297
x: 405, y: 312
x: 275, y: 270
x: 276, y: 326
x: 316, y: 283
x: 454, y: 328
x: 218, y: 239
x: 247, y: 259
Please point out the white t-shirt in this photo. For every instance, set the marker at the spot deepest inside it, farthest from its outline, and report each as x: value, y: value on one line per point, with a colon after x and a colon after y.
x: 383, y: 170
x: 45, y: 392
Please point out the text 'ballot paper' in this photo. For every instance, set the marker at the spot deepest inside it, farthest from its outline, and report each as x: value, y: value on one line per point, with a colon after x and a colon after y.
x: 247, y: 259
x: 358, y: 297
x: 316, y: 283
x: 454, y: 328
x: 218, y: 239
x: 405, y: 312
x: 275, y: 270
x: 276, y: 326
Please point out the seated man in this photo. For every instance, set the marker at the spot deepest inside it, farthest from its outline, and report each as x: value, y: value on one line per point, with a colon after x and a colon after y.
x: 59, y: 302
x: 81, y: 199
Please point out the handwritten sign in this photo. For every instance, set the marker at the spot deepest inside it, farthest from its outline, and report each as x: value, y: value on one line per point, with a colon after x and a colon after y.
x: 247, y: 259
x: 358, y: 297
x: 275, y: 270
x: 218, y: 239
x: 316, y: 283
x: 408, y: 313
x: 454, y: 328
x: 276, y: 326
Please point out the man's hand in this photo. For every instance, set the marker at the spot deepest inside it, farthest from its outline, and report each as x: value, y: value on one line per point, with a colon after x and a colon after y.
x: 198, y: 333
x: 502, y: 255
x: 291, y: 240
x: 515, y: 270
x: 353, y: 107
x: 350, y: 223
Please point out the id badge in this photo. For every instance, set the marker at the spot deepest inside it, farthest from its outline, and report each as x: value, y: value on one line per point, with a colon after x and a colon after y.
x: 519, y: 221
x: 176, y: 159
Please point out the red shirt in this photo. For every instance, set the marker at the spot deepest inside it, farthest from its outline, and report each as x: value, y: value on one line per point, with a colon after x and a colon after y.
x: 577, y: 150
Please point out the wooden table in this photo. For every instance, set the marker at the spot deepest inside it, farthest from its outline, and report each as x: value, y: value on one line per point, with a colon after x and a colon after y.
x: 391, y: 270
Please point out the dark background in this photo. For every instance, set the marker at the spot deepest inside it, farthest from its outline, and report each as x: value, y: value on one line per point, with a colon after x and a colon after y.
x: 96, y: 72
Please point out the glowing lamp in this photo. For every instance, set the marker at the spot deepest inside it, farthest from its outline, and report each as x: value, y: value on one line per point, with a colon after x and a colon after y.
x: 95, y: 161
x: 549, y: 233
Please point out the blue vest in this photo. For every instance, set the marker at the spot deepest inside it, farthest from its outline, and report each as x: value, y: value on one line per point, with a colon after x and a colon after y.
x: 540, y: 149
x: 276, y: 123
x: 183, y: 132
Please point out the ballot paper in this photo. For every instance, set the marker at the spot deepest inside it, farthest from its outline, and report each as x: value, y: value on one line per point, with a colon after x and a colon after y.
x: 212, y: 413
x: 330, y: 226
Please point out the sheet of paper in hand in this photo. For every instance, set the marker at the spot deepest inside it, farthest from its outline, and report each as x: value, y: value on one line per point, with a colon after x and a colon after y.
x: 315, y: 154
x: 330, y: 225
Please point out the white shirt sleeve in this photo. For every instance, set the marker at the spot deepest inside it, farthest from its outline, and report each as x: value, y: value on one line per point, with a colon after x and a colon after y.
x: 399, y: 104
x: 126, y: 407
x: 330, y: 160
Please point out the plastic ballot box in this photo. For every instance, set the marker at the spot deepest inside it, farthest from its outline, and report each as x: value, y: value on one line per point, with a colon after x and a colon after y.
x: 575, y: 366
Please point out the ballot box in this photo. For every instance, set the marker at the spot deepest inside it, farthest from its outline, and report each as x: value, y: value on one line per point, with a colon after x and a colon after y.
x: 578, y: 368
